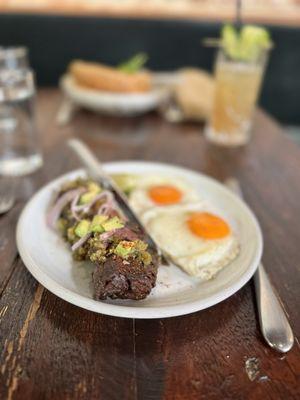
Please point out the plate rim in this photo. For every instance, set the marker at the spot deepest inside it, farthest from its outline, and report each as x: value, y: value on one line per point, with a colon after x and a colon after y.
x: 124, y: 311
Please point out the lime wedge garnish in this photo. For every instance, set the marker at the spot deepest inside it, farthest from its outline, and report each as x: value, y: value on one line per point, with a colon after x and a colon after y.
x: 230, y: 41
x: 247, y: 44
x: 253, y: 39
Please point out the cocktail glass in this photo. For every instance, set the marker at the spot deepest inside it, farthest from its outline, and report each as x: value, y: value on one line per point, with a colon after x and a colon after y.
x: 237, y: 89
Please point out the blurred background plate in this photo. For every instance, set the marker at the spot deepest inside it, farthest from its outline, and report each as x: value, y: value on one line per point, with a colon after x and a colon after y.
x: 116, y: 103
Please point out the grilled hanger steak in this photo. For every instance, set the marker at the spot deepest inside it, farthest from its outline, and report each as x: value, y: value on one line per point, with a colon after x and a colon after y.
x: 88, y: 218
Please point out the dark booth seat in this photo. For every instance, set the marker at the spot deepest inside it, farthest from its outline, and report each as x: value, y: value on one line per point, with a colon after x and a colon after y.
x: 55, y: 40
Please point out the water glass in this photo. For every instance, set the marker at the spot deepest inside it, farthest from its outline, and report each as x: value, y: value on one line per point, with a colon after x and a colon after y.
x: 19, y: 149
x: 13, y: 58
x: 237, y: 88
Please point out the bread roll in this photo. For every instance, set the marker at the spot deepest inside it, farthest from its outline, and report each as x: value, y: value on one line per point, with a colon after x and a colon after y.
x: 101, y: 77
x: 194, y: 94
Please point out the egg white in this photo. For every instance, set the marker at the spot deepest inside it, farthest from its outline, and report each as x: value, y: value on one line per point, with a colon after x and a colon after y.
x: 140, y: 201
x: 199, y: 257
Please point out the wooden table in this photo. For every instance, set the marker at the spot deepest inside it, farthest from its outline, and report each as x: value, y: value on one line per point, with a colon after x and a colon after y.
x: 53, y: 350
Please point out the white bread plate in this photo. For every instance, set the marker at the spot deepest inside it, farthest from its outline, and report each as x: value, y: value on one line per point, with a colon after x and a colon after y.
x: 118, y: 104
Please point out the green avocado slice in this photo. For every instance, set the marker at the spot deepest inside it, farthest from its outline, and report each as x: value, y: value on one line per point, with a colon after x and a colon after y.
x: 82, y: 228
x: 112, y: 223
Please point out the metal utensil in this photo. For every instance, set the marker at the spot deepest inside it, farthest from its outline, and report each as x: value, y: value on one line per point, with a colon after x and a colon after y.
x: 273, y: 322
x: 7, y: 201
x: 65, y: 112
x: 96, y: 171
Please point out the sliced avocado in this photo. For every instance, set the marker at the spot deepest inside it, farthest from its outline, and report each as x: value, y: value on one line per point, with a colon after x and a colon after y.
x: 112, y: 223
x: 99, y: 219
x: 94, y: 187
x: 96, y: 228
x: 82, y: 228
x: 124, y: 248
x: 96, y: 224
x: 87, y: 197
x: 93, y: 190
x: 126, y: 182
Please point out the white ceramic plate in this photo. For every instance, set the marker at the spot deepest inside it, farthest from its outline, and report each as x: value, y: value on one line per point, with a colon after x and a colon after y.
x: 123, y: 104
x: 49, y: 260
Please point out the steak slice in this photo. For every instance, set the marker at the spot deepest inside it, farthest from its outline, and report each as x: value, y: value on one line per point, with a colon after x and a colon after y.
x: 123, y: 279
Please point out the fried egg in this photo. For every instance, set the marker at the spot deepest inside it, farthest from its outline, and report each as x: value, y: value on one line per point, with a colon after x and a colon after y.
x: 200, y: 241
x: 153, y: 191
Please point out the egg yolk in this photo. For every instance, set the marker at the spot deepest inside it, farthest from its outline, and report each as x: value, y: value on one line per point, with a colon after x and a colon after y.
x: 208, y: 226
x: 165, y: 194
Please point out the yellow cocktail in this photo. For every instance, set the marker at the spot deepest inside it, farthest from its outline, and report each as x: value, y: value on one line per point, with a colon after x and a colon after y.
x: 237, y: 87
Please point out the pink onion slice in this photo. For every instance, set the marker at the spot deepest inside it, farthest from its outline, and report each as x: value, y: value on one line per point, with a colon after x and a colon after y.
x: 73, y: 206
x: 108, y: 210
x: 86, y: 207
x: 121, y: 233
x: 81, y: 241
x: 102, y: 209
x: 111, y: 210
x: 106, y: 235
x: 62, y: 201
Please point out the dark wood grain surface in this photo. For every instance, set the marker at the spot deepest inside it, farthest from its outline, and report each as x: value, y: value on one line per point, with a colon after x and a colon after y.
x: 53, y: 350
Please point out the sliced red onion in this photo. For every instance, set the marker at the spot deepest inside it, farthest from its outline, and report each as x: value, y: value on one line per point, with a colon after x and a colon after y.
x: 121, y: 233
x: 106, y: 235
x: 102, y: 209
x: 86, y: 207
x: 111, y: 211
x: 108, y: 210
x: 81, y: 241
x: 73, y: 206
x: 62, y: 201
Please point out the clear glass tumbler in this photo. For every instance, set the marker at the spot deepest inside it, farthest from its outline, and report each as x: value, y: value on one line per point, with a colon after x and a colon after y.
x: 19, y: 149
x: 237, y: 89
x: 13, y: 58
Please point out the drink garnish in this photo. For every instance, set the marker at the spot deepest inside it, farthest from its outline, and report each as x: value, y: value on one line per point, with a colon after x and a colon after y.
x: 246, y: 44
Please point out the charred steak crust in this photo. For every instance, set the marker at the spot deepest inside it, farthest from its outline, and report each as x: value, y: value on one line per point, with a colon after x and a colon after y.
x: 119, y: 278
x: 124, y: 279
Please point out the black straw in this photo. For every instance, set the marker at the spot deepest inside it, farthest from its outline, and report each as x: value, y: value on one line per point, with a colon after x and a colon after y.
x: 238, y: 16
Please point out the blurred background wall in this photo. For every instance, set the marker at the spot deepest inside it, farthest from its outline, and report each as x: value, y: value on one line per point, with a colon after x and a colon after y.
x: 259, y: 11
x: 170, y: 31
